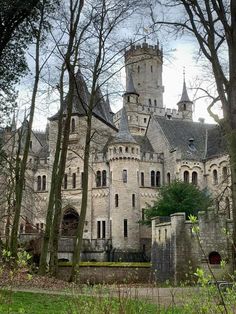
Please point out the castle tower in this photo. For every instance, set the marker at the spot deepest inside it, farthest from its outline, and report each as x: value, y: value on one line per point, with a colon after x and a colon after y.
x: 144, y: 62
x: 185, y: 105
x: 124, y: 157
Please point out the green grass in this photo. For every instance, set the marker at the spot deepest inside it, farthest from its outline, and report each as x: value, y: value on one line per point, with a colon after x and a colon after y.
x: 35, y: 303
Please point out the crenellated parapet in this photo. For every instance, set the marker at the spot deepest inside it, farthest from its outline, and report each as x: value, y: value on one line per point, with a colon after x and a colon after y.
x: 124, y: 151
x: 144, y: 49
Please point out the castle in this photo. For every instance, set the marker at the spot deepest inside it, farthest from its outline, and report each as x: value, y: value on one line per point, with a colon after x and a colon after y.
x: 133, y: 153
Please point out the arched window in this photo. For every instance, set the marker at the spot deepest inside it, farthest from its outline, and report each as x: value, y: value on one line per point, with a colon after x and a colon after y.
x: 72, y: 125
x: 116, y: 200
x: 104, y: 178
x: 142, y: 178
x: 98, y: 179
x: 114, y: 150
x: 152, y: 178
x: 120, y: 149
x: 186, y: 176
x: 215, y: 177
x: 39, y: 183
x: 227, y: 207
x: 65, y: 181
x: 158, y: 178
x: 194, y: 178
x: 214, y: 258
x: 225, y: 174
x: 138, y: 68
x: 168, y: 178
x: 73, y: 180
x: 128, y: 98
x: 184, y: 106
x: 44, y: 183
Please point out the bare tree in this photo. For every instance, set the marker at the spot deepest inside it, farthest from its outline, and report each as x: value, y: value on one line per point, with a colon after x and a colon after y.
x: 213, y: 25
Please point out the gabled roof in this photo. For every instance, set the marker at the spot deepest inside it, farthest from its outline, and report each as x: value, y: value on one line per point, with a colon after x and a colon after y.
x: 187, y: 136
x: 81, y: 100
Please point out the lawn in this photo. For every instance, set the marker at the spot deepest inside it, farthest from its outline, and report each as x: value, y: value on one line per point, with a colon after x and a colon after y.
x: 35, y: 303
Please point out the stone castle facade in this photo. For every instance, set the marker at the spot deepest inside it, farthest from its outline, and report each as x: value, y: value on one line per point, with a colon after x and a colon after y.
x: 133, y: 153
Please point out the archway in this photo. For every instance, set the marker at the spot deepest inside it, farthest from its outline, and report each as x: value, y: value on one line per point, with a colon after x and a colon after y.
x: 214, y: 258
x: 70, y: 222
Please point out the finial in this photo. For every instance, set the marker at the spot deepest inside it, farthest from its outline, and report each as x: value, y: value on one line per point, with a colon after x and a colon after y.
x: 184, y: 73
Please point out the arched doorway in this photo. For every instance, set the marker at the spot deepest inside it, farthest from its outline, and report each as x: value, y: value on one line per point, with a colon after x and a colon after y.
x: 70, y: 222
x: 214, y: 258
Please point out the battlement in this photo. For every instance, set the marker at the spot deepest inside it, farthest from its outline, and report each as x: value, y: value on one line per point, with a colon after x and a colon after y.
x: 152, y: 157
x: 144, y: 48
x: 161, y: 112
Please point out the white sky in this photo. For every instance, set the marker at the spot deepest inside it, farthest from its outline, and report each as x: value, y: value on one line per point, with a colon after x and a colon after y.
x: 181, y: 57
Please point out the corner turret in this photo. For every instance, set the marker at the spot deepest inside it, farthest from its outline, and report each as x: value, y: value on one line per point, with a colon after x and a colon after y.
x: 185, y: 105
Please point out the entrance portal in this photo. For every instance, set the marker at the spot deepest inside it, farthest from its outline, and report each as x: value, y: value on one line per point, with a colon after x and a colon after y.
x: 69, y: 222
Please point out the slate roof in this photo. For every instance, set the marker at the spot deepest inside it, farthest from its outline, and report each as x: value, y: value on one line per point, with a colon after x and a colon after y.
x: 123, y: 135
x: 130, y: 89
x: 216, y: 143
x: 184, y: 96
x: 44, y: 152
x: 179, y: 132
x: 81, y: 100
x: 145, y: 145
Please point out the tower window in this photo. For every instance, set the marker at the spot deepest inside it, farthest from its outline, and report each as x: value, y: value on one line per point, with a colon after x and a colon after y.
x: 145, y: 120
x: 149, y: 101
x: 104, y: 178
x: 155, y: 102
x: 133, y: 200
x: 39, y: 183
x: 72, y: 125
x: 124, y: 176
x: 126, y: 149
x: 101, y: 229
x: 184, y: 106
x: 158, y: 178
x: 138, y: 68
x: 142, y: 178
x: 98, y: 179
x: 128, y: 98
x: 116, y: 200
x: 186, y: 176
x: 125, y: 228
x: 44, y: 183
x: 151, y: 69
x: 73, y: 180
x: 152, y: 178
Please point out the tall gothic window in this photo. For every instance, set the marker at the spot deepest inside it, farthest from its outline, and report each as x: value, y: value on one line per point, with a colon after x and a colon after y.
x: 152, y: 178
x: 168, y: 178
x: 116, y: 200
x: 215, y: 177
x: 44, y: 183
x: 158, y: 178
x: 142, y: 178
x: 194, y: 178
x: 125, y: 228
x: 225, y: 174
x: 133, y: 200
x: 104, y: 178
x: 73, y: 180
x: 72, y: 125
x: 98, y: 179
x: 186, y: 176
x: 39, y: 183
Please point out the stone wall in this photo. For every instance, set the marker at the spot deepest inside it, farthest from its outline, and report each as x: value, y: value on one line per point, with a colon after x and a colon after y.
x: 109, y: 275
x: 176, y: 250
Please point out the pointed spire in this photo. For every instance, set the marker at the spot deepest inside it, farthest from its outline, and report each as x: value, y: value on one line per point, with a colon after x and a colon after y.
x: 184, y: 96
x: 130, y: 85
x: 124, y: 136
x: 108, y: 104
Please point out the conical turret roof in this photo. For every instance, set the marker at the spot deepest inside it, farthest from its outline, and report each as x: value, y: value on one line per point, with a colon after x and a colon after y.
x: 123, y: 135
x: 130, y: 89
x: 184, y: 96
